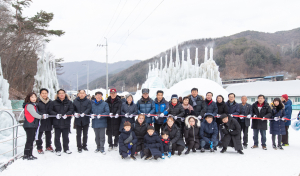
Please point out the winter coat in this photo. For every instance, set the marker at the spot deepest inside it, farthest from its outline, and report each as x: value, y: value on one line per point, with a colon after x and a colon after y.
x: 192, y: 133
x: 64, y: 107
x: 140, y: 131
x: 264, y: 112
x: 146, y: 107
x: 232, y: 134
x: 277, y: 127
x: 166, y: 145
x: 31, y: 116
x: 123, y: 148
x: 233, y: 109
x: 200, y: 108
x: 211, y: 107
x: 176, y: 110
x: 288, y: 111
x: 82, y: 106
x: 100, y: 108
x: 46, y: 124
x: 222, y: 109
x: 208, y: 132
x: 248, y: 110
x: 127, y: 109
x: 175, y: 133
x: 161, y: 107
x: 113, y: 124
x: 187, y: 111
x: 154, y: 144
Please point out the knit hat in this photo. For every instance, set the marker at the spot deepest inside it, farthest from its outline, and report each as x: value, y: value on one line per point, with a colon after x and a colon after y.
x: 223, y: 116
x: 208, y: 115
x: 285, y: 96
x: 145, y: 91
x: 127, y: 124
x: 174, y: 96
x: 113, y: 90
x: 150, y: 128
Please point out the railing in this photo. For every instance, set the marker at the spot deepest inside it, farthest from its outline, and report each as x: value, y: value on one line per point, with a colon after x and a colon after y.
x: 296, y: 107
x: 14, y: 140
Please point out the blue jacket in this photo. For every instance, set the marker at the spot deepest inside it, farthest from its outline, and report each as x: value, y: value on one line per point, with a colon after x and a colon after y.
x: 123, y: 148
x: 127, y: 109
x: 209, y: 132
x: 234, y: 109
x: 161, y: 107
x: 212, y: 108
x: 277, y: 127
x: 146, y: 107
x: 154, y: 144
x: 288, y: 111
x: 100, y: 108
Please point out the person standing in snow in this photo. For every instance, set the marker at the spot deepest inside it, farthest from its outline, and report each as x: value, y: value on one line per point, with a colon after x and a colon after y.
x: 191, y: 133
x: 63, y: 108
x: 129, y: 109
x: 46, y: 124
x: 233, y: 107
x: 113, y: 123
x: 127, y: 142
x: 161, y: 109
x: 211, y: 106
x: 82, y: 108
x: 99, y: 123
x: 232, y: 134
x: 140, y: 129
x: 222, y: 109
x: 177, y: 111
x: 288, y: 111
x: 146, y: 106
x: 31, y: 124
x: 260, y: 109
x: 198, y: 103
x: 245, y: 110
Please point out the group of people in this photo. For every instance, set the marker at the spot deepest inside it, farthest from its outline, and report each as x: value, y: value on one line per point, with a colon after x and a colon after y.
x: 153, y: 128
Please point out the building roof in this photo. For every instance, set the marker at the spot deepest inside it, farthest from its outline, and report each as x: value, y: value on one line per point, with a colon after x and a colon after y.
x: 276, y: 88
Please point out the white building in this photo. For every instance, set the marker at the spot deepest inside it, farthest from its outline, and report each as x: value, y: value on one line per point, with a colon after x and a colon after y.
x: 270, y: 90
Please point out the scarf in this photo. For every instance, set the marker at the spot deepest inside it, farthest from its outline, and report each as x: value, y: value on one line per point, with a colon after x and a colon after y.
x: 44, y: 101
x: 145, y: 99
x: 208, y: 101
x: 190, y: 108
x: 174, y: 104
x: 97, y: 102
x: 194, y: 100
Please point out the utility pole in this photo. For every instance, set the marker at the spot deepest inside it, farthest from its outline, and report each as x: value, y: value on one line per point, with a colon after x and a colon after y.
x: 77, y: 81
x: 87, y: 79
x: 106, y: 65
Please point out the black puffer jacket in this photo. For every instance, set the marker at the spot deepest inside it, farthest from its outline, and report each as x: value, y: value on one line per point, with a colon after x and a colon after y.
x: 264, y: 112
x: 140, y: 131
x: 192, y: 133
x: 174, y: 133
x: 127, y: 109
x: 176, y: 110
x: 82, y: 106
x: 222, y: 109
x: 232, y: 134
x: 61, y: 107
x: 46, y: 124
x: 113, y: 124
x: 200, y: 108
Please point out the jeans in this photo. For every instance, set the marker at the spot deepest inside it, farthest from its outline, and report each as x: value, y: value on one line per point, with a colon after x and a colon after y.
x: 263, y: 137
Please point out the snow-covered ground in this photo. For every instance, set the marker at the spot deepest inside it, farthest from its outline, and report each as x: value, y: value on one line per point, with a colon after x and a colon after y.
x: 254, y: 162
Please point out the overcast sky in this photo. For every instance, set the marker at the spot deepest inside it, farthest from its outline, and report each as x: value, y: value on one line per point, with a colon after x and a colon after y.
x: 136, y: 31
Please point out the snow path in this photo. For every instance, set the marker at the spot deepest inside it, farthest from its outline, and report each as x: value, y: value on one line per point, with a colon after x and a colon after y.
x: 254, y: 162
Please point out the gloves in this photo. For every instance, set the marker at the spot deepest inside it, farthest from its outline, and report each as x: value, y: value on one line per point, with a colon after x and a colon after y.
x: 162, y: 115
x: 92, y: 116
x: 276, y: 118
x: 231, y: 115
x: 223, y: 127
x: 65, y: 116
x: 131, y: 115
x: 249, y: 116
x: 242, y: 117
x: 58, y: 116
x: 45, y: 116
x: 82, y: 115
x: 175, y: 117
x: 148, y: 115
x: 218, y: 115
x: 199, y: 117
x: 182, y: 119
x: 254, y: 116
x: 130, y: 145
x: 169, y: 155
x: 117, y: 115
x: 126, y: 115
x: 156, y: 117
x: 263, y: 118
x: 98, y: 116
x: 282, y: 119
x: 76, y: 115
x: 230, y: 130
x: 163, y: 156
x: 111, y: 115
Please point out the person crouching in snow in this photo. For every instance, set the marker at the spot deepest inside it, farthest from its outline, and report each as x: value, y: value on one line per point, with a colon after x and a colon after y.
x: 172, y: 126
x: 153, y: 144
x: 127, y: 142
x: 208, y: 133
x: 166, y: 144
x: 232, y: 134
x: 191, y: 133
x: 277, y: 126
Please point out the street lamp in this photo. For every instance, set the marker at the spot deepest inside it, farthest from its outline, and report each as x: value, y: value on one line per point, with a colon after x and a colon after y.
x: 87, y: 79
